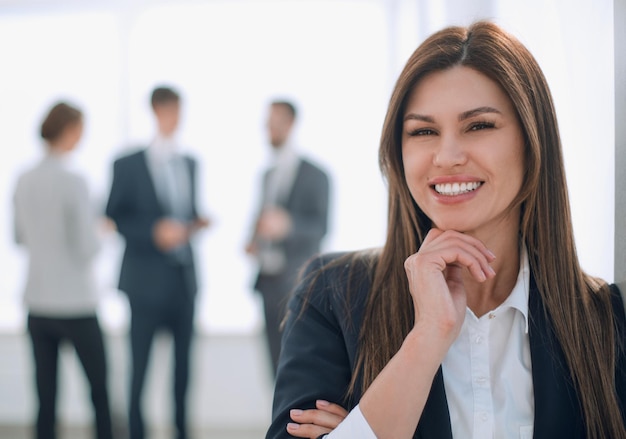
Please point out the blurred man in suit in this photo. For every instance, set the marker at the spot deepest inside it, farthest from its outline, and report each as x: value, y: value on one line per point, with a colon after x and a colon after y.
x: 152, y: 202
x: 291, y: 222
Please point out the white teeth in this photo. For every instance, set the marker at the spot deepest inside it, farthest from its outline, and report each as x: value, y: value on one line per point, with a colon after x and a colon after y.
x: 456, y: 188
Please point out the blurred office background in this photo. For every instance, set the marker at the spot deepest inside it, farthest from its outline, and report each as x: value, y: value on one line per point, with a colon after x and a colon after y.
x: 338, y: 60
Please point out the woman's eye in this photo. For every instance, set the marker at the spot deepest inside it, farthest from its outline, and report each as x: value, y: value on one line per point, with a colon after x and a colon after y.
x: 421, y: 132
x: 481, y: 126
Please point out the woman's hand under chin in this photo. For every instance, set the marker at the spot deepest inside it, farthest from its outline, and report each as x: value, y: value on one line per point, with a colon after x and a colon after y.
x: 436, y: 279
x: 314, y: 423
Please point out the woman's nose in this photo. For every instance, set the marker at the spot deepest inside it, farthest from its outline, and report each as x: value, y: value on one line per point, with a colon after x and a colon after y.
x: 449, y: 153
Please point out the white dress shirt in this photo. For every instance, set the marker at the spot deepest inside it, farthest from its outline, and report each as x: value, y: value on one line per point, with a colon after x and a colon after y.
x: 487, y: 374
x: 282, y: 175
x: 170, y: 176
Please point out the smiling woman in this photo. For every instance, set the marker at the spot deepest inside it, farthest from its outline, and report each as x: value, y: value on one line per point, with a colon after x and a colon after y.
x: 476, y: 312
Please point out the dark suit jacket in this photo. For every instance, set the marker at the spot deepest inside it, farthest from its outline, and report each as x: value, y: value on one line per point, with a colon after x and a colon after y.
x: 319, y: 352
x: 133, y: 204
x: 307, y: 204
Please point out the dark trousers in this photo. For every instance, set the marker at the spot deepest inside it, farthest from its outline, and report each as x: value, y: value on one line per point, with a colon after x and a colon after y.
x: 174, y: 314
x: 274, y: 308
x: 85, y: 335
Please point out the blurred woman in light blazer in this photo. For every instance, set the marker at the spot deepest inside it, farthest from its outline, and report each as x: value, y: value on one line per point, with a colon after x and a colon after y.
x: 56, y: 223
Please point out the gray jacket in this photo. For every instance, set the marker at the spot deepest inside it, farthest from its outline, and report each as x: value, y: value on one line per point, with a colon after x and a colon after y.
x: 55, y: 222
x: 307, y: 205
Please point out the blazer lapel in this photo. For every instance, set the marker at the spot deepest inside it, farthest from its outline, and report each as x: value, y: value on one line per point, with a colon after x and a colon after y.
x: 557, y: 410
x: 435, y: 420
x: 293, y: 193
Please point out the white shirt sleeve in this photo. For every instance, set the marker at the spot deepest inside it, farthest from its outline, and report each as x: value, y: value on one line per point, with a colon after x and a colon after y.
x: 355, y: 425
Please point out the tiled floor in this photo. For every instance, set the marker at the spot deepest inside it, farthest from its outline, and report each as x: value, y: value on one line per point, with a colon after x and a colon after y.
x: 23, y: 432
x: 230, y: 376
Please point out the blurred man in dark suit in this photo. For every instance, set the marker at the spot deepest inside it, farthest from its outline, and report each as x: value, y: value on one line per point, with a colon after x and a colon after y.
x: 291, y: 222
x: 152, y: 202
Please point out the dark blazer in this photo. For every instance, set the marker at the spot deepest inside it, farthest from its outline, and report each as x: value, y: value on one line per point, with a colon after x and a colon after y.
x: 319, y: 352
x: 134, y: 206
x: 307, y: 204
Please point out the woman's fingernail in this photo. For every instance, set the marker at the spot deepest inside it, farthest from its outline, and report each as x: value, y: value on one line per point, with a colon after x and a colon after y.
x: 293, y: 426
x: 323, y: 403
x: 295, y: 412
x: 491, y: 254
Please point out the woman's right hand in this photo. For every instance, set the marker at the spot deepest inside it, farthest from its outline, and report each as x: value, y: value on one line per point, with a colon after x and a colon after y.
x: 314, y: 423
x: 436, y: 279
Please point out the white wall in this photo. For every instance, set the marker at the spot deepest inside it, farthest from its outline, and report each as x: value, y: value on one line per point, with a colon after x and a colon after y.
x: 228, y: 60
x: 336, y: 59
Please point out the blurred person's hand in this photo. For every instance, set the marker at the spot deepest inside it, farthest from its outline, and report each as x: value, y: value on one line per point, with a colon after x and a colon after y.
x: 169, y: 234
x: 251, y: 248
x: 106, y: 225
x: 274, y: 224
x: 200, y: 223
x: 314, y: 423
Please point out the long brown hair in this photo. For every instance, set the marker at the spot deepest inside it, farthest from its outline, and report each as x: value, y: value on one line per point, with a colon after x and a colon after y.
x: 578, y: 305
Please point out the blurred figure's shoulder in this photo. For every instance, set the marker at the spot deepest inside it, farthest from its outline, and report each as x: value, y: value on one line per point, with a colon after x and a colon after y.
x: 130, y: 155
x: 28, y: 172
x: 75, y: 177
x: 312, y: 165
x: 191, y: 158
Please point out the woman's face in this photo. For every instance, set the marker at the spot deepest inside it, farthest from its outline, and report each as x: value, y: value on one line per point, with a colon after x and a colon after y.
x: 463, y: 149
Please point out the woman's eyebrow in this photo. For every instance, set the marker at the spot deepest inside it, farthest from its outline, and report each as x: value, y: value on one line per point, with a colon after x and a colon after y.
x: 415, y: 116
x: 477, y: 111
x: 463, y: 116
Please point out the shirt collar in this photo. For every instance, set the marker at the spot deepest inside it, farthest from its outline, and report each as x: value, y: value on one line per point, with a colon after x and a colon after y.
x: 518, y: 298
x: 162, y: 148
x: 284, y: 155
